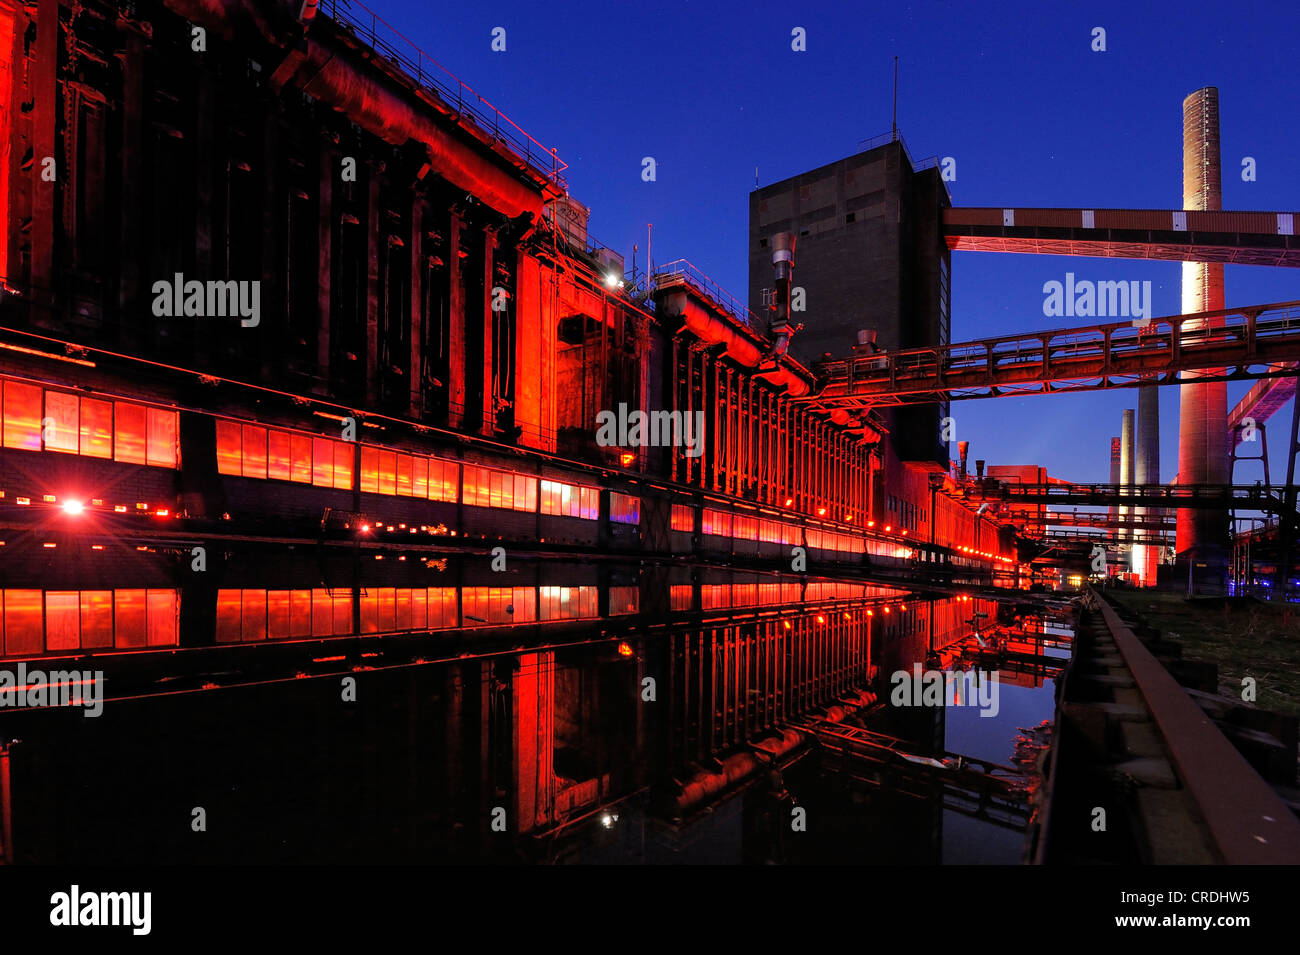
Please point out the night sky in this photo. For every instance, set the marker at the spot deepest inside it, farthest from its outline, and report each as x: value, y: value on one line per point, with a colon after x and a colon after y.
x: 1012, y: 91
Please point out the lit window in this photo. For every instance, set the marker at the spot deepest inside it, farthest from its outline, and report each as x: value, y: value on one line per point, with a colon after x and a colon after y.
x: 419, y: 476
x: 322, y: 467
x: 61, y: 427
x: 229, y: 616
x: 96, y: 619
x: 370, y: 469
x: 301, y: 448
x: 279, y: 454
x: 23, y: 625
x: 278, y: 612
x: 163, y: 449
x: 96, y: 428
x: 299, y: 613
x: 130, y: 615
x: 404, y: 475
x: 444, y: 480
x: 387, y: 472
x: 162, y: 607
x: 129, y: 433
x: 62, y: 619
x: 624, y: 509
x: 254, y: 616
x: 254, y: 452
x: 22, y: 416
x: 322, y: 613
x: 444, y: 608
x: 525, y: 493
x: 683, y: 517
x: 343, y: 457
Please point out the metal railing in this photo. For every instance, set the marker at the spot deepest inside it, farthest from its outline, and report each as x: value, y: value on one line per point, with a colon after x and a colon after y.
x: 682, y: 270
x: 875, y: 142
x: 1210, y: 496
x: 370, y: 28
x: 1111, y: 355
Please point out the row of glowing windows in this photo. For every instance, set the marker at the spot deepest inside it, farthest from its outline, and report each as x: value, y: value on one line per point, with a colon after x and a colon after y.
x: 408, y: 475
x: 36, y: 621
x: 726, y: 524
x: 250, y: 614
x: 743, y: 527
x: 36, y: 419
x: 488, y: 487
x: 39, y: 621
x: 253, y: 451
x: 716, y: 596
x: 570, y: 500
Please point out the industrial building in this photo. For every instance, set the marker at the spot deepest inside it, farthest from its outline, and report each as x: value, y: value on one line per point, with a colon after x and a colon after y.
x: 870, y: 258
x: 337, y: 447
x: 297, y: 342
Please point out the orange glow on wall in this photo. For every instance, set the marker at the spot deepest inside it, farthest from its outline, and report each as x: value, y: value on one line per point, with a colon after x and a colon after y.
x: 6, y: 136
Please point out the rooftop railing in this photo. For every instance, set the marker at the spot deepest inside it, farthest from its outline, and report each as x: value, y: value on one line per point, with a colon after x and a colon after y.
x: 682, y: 270
x: 374, y: 31
x: 876, y: 141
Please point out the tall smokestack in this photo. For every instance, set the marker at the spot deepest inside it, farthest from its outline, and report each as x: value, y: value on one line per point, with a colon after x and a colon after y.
x: 1114, y: 473
x: 1125, y: 469
x: 1146, y: 558
x: 1203, y: 408
x: 963, y: 448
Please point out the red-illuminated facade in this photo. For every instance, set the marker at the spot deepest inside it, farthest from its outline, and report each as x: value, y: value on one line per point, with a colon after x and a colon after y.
x: 422, y: 381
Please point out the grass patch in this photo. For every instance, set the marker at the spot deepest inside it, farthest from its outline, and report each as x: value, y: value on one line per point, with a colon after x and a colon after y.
x: 1245, y: 638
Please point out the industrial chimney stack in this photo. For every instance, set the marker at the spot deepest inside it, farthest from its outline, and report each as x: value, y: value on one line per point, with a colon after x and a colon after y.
x: 1126, y: 443
x: 1146, y: 557
x: 1203, y: 411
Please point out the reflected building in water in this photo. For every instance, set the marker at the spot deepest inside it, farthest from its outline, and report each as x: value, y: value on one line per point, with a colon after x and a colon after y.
x: 361, y: 572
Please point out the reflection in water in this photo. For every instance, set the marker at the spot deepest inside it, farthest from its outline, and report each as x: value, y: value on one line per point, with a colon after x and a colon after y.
x: 666, y: 715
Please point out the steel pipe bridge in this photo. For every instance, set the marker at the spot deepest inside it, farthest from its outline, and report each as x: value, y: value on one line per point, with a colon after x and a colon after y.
x: 1254, y: 342
x: 1074, y: 535
x: 1105, y: 521
x: 1171, y: 235
x: 1256, y: 497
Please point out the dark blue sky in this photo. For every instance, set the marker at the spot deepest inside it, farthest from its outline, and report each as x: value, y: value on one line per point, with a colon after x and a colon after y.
x: 1012, y: 91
